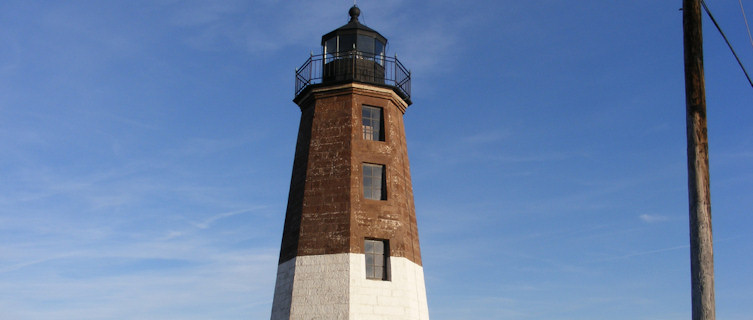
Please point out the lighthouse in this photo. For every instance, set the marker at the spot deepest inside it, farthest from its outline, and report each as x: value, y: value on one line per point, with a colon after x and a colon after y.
x: 350, y: 246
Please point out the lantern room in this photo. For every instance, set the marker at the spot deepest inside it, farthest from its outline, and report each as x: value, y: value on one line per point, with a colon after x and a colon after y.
x: 354, y: 36
x: 353, y: 53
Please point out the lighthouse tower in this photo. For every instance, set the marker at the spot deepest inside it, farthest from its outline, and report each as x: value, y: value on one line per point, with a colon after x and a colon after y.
x: 350, y: 242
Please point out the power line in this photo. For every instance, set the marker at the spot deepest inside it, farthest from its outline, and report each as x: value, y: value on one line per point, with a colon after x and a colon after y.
x: 746, y: 21
x: 728, y: 44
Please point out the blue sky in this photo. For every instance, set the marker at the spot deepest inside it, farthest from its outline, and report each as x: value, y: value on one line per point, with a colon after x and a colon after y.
x: 146, y: 149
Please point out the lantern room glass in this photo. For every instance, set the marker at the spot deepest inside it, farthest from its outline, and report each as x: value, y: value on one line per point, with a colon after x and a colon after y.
x: 369, y: 47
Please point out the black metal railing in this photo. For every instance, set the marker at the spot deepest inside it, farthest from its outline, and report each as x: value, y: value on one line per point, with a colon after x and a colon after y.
x: 353, y: 66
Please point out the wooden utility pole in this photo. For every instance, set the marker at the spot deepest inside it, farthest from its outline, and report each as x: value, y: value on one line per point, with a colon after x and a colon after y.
x: 701, y: 245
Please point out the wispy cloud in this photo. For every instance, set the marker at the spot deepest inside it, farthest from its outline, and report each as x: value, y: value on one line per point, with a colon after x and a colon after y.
x: 653, y: 218
x: 128, y: 283
x: 642, y: 253
x: 492, y: 147
x: 269, y: 26
x: 258, y: 27
x: 24, y: 264
x: 208, y: 222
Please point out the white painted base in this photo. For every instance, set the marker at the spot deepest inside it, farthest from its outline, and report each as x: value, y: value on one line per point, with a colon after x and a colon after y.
x: 334, y: 286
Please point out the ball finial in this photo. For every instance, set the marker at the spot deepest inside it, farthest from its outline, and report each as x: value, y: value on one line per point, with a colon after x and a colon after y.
x: 354, y: 12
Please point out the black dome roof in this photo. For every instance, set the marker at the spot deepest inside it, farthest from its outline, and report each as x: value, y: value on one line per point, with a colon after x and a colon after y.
x: 354, y: 27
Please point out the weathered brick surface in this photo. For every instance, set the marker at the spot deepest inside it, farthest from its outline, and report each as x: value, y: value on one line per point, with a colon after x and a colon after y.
x: 327, y: 212
x: 395, y: 218
x: 289, y: 247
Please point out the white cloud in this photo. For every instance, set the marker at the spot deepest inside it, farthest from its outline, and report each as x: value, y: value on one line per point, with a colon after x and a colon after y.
x: 106, y: 285
x: 270, y: 26
x: 258, y: 27
x: 208, y: 222
x: 649, y: 218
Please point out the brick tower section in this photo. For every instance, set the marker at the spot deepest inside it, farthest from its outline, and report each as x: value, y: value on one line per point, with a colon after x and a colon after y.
x: 322, y: 272
x: 327, y: 212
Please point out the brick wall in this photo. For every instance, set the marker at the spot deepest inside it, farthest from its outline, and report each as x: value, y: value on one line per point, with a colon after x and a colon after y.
x: 327, y: 212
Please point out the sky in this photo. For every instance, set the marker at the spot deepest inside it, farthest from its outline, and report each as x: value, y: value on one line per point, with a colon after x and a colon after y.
x: 146, y: 149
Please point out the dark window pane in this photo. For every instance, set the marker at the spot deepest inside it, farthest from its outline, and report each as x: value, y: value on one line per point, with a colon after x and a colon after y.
x: 347, y: 42
x: 365, y: 44
x: 372, y: 123
x: 376, y: 252
x: 373, y: 182
x: 379, y: 52
x: 331, y: 46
